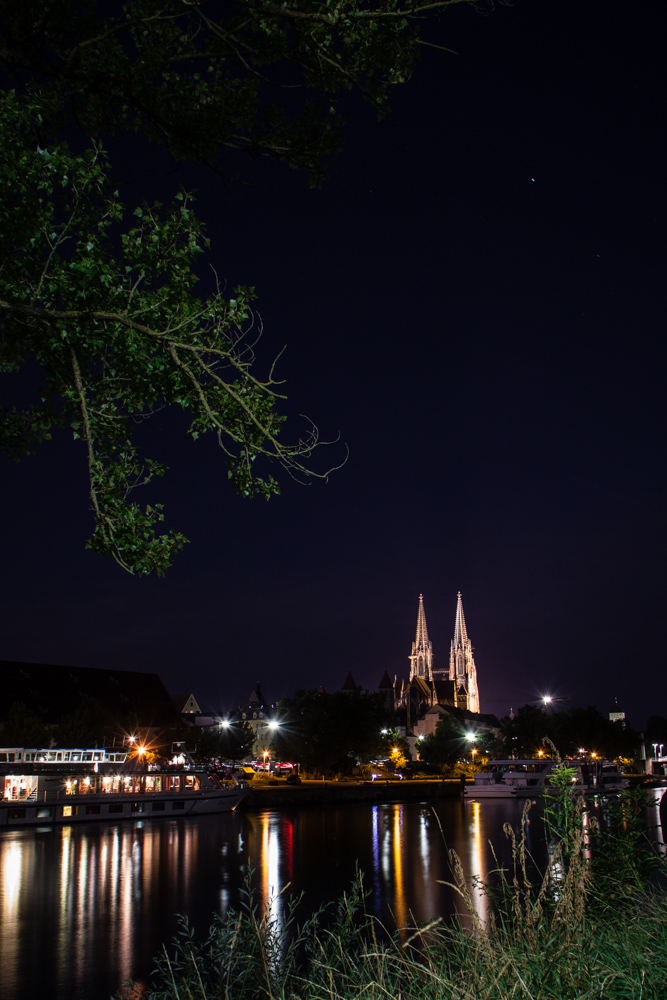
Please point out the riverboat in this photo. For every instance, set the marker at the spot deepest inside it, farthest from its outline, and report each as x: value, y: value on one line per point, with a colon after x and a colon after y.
x: 74, y: 785
x: 600, y: 777
x: 510, y: 779
x: 506, y: 779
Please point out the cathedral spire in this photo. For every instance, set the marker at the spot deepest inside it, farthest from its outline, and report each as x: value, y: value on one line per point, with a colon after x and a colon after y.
x: 422, y: 632
x: 460, y: 634
x: 462, y: 668
x: 421, y: 657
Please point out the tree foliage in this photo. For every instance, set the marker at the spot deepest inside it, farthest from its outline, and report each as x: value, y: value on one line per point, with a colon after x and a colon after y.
x: 23, y: 728
x: 232, y: 743
x: 104, y: 300
x: 103, y: 295
x: 328, y: 733
x: 86, y: 725
x: 445, y: 746
x: 570, y: 731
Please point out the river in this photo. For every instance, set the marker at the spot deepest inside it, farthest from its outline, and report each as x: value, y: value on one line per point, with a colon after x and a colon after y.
x: 84, y: 908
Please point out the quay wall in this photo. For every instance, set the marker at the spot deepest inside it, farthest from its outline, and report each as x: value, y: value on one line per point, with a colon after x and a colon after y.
x: 263, y: 796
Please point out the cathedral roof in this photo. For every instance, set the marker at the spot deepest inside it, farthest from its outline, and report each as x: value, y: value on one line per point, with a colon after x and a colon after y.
x: 445, y: 692
x: 423, y: 686
x: 349, y: 684
x: 385, y: 682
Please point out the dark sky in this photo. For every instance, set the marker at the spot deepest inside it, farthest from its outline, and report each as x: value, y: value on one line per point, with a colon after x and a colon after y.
x: 474, y: 301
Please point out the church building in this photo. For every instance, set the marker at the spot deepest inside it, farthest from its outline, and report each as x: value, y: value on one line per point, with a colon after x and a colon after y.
x: 430, y: 688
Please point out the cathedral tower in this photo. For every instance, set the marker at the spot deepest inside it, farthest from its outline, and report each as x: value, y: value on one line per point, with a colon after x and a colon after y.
x: 421, y: 658
x: 461, y: 663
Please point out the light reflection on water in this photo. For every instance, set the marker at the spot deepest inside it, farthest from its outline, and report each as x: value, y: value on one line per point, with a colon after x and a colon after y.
x: 83, y: 908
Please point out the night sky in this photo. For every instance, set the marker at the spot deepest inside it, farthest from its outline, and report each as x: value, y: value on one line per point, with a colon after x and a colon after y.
x: 474, y: 302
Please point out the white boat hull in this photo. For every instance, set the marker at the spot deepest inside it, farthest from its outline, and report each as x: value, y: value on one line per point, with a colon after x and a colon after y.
x: 111, y: 808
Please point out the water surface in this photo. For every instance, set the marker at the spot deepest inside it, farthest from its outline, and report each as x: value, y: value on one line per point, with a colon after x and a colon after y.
x: 84, y: 908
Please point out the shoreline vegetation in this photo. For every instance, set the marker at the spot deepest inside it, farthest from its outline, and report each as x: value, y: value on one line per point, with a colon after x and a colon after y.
x: 592, y: 924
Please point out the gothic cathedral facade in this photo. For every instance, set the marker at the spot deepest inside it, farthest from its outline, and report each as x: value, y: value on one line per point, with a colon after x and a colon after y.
x: 454, y: 685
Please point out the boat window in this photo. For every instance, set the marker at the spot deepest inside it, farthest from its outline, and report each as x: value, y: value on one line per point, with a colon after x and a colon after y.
x: 116, y: 807
x: 178, y: 805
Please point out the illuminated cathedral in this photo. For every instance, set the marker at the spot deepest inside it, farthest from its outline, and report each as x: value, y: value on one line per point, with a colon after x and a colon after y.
x: 453, y: 686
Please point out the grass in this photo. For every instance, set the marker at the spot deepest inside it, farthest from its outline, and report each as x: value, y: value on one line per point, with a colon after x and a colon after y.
x: 589, y: 928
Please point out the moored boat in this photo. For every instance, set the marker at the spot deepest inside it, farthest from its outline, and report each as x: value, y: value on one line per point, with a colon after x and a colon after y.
x: 528, y: 777
x: 69, y: 785
x: 510, y: 779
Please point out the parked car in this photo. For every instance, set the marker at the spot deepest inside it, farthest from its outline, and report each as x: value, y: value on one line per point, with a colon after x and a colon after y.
x: 292, y: 779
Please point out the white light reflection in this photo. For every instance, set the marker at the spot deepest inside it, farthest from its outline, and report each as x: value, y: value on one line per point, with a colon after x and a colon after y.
x: 385, y: 852
x: 11, y: 871
x: 64, y: 910
x: 428, y: 892
x: 270, y: 882
x: 10, y: 894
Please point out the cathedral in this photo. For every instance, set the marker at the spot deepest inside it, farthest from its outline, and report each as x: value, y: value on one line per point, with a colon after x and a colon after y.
x: 429, y: 690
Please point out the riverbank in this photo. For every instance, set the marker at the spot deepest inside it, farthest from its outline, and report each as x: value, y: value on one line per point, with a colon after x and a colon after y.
x: 591, y: 925
x: 262, y: 796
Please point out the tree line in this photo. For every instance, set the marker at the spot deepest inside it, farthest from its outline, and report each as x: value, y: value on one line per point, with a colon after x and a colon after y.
x: 332, y: 733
